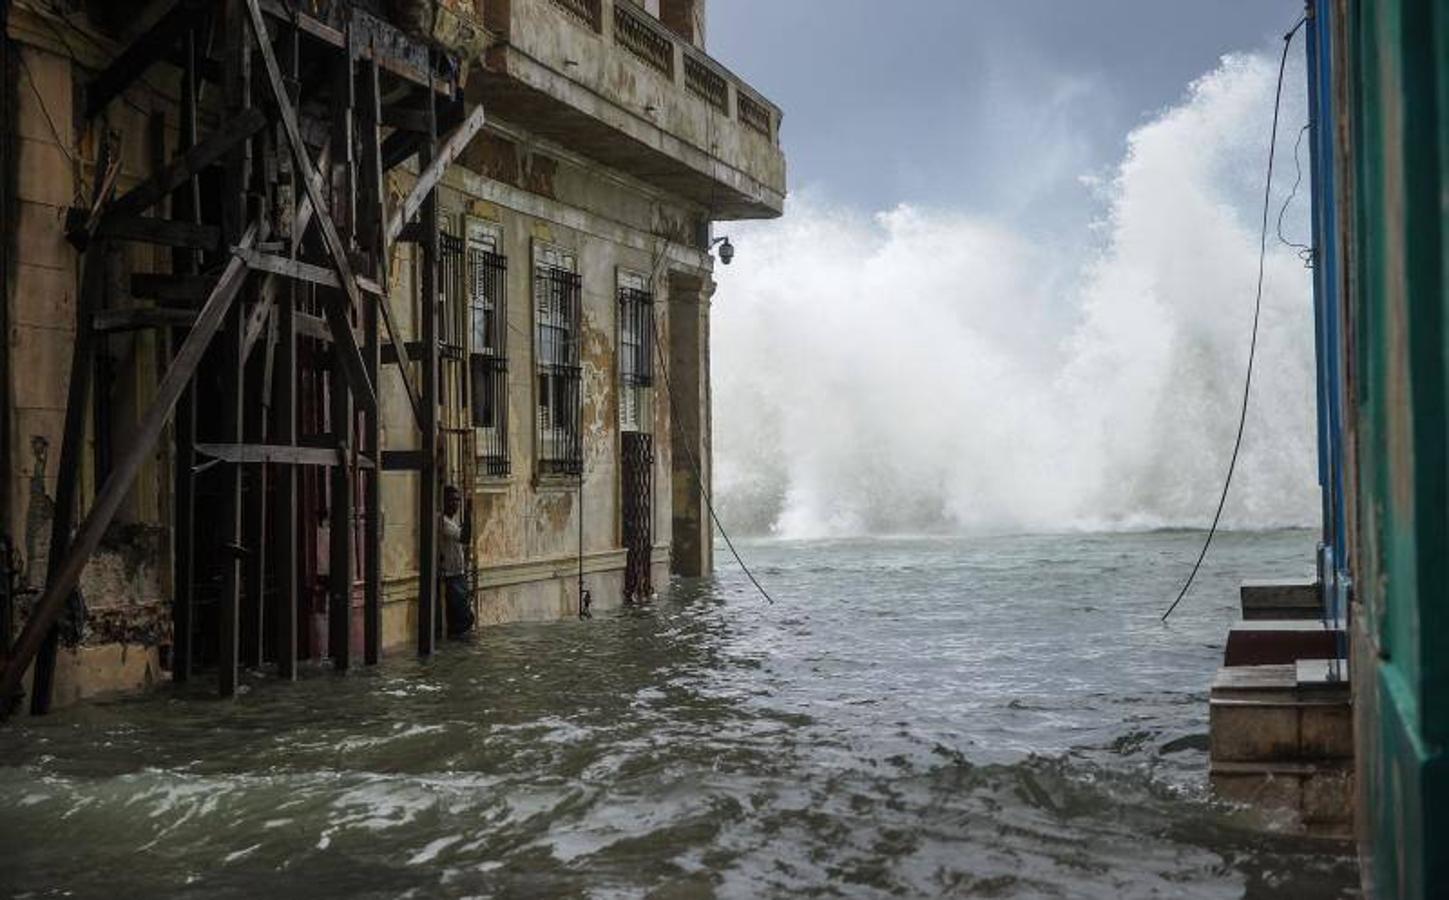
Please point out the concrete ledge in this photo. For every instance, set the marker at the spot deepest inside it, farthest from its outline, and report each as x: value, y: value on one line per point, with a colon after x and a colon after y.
x: 1281, y: 600
x: 1281, y: 642
x: 1318, y: 796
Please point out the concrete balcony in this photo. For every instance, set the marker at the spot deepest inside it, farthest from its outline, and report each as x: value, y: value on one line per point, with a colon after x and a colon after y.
x: 609, y: 80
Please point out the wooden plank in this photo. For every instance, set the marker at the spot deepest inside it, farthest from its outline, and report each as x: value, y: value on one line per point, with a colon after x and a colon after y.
x: 191, y: 289
x: 140, y: 55
x: 138, y: 318
x: 428, y: 618
x: 339, y: 522
x: 286, y: 267
x: 350, y: 357
x: 286, y: 524
x: 408, y: 116
x: 371, y: 213
x: 68, y: 472
x: 237, y: 179
x: 285, y: 427
x: 433, y: 172
x: 399, y: 147
x: 166, y: 232
x: 402, y: 460
x: 123, y: 474
x: 257, y: 319
x: 183, y: 290
x: 190, y: 164
x: 278, y: 454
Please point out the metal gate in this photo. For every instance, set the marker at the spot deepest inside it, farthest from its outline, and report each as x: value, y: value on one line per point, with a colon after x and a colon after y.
x: 638, y: 514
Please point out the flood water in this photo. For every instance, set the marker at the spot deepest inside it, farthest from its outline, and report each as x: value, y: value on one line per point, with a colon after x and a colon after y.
x: 998, y: 716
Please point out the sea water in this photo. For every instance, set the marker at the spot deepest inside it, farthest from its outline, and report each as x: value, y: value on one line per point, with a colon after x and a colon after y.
x: 922, y: 716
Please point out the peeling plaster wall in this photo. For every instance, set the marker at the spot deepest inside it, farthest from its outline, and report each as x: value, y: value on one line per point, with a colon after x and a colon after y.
x: 526, y: 530
x: 126, y: 585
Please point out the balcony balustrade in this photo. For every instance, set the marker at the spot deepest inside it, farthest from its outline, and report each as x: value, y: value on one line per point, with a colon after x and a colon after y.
x: 606, y: 78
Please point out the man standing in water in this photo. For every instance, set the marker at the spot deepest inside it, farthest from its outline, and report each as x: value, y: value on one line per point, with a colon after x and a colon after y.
x: 452, y: 563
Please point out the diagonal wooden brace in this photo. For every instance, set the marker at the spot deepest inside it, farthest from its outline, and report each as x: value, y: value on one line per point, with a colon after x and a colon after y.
x: 453, y: 145
x: 123, y: 475
x: 147, y: 49
x: 351, y: 297
x: 181, y: 170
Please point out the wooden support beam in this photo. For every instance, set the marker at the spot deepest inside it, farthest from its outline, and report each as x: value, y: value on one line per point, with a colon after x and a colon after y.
x: 399, y: 147
x: 428, y: 618
x: 139, y: 318
x: 189, y: 289
x: 433, y: 172
x: 178, y: 290
x: 123, y: 474
x: 370, y: 218
x: 285, y: 423
x: 339, y: 522
x: 279, y: 454
x: 256, y: 319
x: 190, y: 164
x: 407, y: 116
x: 350, y: 357
x: 286, y: 267
x: 186, y: 235
x: 68, y: 472
x: 402, y: 460
x: 140, y: 55
x: 235, y: 212
x: 285, y: 541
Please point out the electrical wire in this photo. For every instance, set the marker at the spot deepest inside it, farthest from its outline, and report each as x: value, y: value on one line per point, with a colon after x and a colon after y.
x: 688, y: 449
x: 1305, y: 252
x: 1257, y: 318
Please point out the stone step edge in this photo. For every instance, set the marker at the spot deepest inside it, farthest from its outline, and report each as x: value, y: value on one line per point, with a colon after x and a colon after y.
x: 1342, y: 765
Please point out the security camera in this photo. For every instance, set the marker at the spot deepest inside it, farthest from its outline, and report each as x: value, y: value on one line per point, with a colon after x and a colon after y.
x: 726, y: 250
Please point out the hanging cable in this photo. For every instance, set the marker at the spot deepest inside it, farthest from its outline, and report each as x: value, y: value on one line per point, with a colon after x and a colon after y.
x: 1304, y: 251
x: 689, y: 453
x: 1257, y: 318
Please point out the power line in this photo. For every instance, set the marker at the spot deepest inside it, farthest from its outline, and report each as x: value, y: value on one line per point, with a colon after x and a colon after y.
x: 689, y: 451
x: 1257, y: 318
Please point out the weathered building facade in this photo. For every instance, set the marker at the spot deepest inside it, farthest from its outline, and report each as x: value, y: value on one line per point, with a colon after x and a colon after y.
x: 275, y: 273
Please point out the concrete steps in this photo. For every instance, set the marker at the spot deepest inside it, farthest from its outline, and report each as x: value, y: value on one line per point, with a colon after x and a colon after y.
x: 1280, y: 720
x: 1266, y: 642
x: 1280, y: 600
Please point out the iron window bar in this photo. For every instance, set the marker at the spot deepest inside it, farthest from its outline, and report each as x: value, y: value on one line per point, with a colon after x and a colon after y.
x: 488, y: 359
x: 559, y: 295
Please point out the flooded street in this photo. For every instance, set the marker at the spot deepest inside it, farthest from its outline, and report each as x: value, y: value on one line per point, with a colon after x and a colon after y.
x: 918, y: 717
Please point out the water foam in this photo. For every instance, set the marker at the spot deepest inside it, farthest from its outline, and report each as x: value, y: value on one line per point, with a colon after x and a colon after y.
x: 922, y: 370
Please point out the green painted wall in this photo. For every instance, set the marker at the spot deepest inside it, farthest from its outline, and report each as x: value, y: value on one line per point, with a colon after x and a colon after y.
x: 1396, y: 150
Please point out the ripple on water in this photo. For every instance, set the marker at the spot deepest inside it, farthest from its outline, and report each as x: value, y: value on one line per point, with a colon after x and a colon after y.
x: 917, y: 718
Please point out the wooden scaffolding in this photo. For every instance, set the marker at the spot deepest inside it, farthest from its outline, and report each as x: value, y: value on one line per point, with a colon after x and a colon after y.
x: 282, y: 237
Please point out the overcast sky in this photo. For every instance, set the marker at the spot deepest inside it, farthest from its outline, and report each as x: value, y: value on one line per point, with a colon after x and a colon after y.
x: 999, y: 107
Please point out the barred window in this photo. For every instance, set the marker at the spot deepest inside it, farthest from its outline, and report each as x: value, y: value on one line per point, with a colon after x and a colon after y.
x: 636, y: 352
x: 488, y: 349
x: 457, y: 436
x: 558, y: 295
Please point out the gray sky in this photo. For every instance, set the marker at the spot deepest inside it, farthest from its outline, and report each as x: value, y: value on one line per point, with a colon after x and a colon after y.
x: 993, y: 106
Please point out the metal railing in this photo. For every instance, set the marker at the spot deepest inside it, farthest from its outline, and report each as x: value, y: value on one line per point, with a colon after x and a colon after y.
x: 636, y: 32
x: 488, y: 360
x: 558, y: 295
